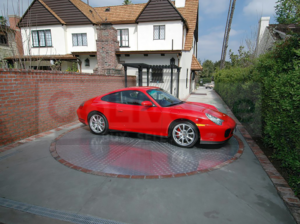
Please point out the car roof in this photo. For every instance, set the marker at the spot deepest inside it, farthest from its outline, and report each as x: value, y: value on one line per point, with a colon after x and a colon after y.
x: 137, y: 88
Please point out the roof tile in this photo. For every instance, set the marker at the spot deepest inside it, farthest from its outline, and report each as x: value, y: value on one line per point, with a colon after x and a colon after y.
x: 120, y: 14
x: 196, y: 65
x: 88, y: 11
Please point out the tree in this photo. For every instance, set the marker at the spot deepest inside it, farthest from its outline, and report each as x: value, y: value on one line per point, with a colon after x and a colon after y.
x: 242, y: 59
x: 208, y: 68
x: 127, y: 2
x: 288, y: 11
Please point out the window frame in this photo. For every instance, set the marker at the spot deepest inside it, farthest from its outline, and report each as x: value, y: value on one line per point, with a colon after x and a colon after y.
x: 77, y: 34
x: 38, y: 38
x: 159, y: 38
x: 122, y: 101
x: 161, y: 79
x: 121, y: 41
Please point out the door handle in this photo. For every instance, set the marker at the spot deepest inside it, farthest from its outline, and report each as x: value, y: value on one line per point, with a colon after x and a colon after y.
x: 120, y: 110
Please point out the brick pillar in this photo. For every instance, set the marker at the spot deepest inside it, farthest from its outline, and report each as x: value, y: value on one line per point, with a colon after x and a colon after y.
x: 13, y: 22
x: 107, y: 45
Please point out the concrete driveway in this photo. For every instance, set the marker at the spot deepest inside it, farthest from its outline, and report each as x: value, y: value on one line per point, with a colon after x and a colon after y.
x: 35, y: 188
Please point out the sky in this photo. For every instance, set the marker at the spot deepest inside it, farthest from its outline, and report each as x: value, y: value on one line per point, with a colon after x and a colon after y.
x: 212, y: 21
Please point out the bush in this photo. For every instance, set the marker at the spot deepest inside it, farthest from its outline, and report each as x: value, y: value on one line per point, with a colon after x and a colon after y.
x: 266, y: 96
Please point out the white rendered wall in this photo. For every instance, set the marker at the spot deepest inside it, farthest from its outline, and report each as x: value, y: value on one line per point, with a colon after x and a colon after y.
x: 58, y: 41
x: 173, y: 31
x: 91, y: 38
x: 185, y: 74
x: 87, y: 69
x: 132, y: 30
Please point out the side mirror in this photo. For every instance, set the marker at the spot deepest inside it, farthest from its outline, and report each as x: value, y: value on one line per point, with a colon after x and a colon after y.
x: 146, y: 104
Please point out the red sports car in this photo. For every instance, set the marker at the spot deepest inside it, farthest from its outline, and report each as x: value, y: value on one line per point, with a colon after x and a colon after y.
x: 153, y: 111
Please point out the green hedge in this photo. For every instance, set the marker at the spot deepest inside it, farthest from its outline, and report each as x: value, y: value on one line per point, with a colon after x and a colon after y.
x: 266, y: 98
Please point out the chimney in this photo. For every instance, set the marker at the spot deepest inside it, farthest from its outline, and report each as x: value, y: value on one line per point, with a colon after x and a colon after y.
x: 180, y: 3
x: 263, y: 24
x: 13, y: 22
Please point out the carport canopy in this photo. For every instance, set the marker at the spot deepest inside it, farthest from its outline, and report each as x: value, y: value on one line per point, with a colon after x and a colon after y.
x: 141, y: 66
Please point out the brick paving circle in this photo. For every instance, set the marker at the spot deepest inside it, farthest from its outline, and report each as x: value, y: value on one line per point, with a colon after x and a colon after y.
x: 130, y: 156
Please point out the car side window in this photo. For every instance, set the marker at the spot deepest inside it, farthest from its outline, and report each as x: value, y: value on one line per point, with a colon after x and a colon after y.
x: 113, y: 97
x: 133, y: 97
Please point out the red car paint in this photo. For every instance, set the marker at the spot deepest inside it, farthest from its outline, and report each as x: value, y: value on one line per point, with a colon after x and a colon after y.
x: 156, y: 120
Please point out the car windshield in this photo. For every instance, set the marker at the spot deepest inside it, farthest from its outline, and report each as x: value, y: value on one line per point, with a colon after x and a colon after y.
x: 163, y: 98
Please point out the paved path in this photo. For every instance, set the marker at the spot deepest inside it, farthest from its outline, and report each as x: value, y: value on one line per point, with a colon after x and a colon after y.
x: 240, y: 192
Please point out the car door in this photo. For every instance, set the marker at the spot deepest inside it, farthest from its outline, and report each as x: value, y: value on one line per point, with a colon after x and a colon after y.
x: 141, y: 119
x: 111, y: 109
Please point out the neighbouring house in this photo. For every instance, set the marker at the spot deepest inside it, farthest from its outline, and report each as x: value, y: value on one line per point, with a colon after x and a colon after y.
x: 137, y: 39
x: 269, y: 34
x: 10, y: 39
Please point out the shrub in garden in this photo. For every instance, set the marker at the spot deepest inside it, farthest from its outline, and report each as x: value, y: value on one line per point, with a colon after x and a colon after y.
x: 269, y: 92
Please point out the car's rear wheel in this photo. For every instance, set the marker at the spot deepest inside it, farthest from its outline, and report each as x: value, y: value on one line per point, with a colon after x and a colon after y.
x: 98, y: 123
x: 184, y: 134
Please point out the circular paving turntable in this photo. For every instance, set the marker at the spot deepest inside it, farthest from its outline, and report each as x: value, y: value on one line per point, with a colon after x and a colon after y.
x: 138, y: 156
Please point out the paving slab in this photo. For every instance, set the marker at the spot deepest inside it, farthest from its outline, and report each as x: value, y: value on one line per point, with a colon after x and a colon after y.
x: 240, y: 192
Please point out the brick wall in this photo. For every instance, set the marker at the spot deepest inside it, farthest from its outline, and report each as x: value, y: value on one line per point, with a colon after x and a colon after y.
x: 37, y: 101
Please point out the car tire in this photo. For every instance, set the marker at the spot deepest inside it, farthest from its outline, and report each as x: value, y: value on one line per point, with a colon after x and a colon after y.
x: 184, y: 134
x: 98, y: 123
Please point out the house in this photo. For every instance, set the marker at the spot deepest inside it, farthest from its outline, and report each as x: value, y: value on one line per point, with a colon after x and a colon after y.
x: 10, y: 39
x: 139, y: 38
x: 269, y: 34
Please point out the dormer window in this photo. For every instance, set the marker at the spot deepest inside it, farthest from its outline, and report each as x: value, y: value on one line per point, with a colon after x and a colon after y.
x: 159, y: 32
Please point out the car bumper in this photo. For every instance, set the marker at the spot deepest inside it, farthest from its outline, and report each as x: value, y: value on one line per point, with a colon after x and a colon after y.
x: 82, y: 117
x: 215, y: 134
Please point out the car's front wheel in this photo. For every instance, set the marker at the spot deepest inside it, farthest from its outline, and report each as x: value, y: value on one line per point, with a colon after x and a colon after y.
x: 98, y: 123
x: 184, y: 134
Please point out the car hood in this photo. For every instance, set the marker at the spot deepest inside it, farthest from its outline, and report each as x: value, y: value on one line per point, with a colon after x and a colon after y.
x: 202, y: 108
x: 194, y: 106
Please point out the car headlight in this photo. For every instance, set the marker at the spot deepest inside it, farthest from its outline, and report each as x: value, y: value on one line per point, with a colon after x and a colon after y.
x: 81, y: 105
x: 216, y: 120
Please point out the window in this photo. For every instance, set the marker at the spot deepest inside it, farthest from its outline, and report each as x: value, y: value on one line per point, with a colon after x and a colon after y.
x: 87, y: 62
x: 186, y: 80
x: 41, y: 38
x: 157, y: 75
x: 163, y: 98
x: 113, y: 98
x: 159, y: 32
x: 3, y: 39
x: 123, y: 37
x: 133, y: 97
x: 79, y: 39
